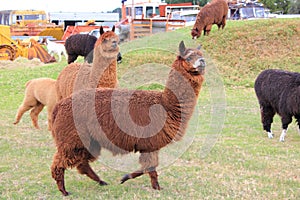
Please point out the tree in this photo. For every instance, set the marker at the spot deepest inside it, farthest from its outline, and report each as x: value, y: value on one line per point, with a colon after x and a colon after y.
x: 295, y: 7
x: 277, y: 5
x: 194, y: 2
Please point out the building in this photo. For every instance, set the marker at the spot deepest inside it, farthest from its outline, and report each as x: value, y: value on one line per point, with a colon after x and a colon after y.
x: 80, y: 18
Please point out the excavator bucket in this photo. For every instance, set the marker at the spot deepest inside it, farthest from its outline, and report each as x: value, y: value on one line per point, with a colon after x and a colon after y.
x: 28, y: 48
x: 37, y: 51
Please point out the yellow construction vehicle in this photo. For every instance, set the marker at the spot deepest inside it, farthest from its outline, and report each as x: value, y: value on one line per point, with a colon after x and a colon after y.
x: 30, y: 23
x: 11, y: 49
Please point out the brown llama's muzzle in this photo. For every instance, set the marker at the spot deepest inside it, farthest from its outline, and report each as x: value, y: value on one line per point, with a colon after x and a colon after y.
x: 195, y: 33
x: 199, y: 67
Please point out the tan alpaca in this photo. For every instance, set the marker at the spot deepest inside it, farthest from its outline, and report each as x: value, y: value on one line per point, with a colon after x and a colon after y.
x: 39, y: 92
x: 101, y: 73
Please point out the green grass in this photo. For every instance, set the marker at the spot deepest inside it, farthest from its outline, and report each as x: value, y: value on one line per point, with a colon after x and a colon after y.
x: 241, y: 164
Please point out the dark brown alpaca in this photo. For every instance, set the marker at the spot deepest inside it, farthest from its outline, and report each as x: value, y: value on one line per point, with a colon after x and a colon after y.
x: 101, y: 73
x: 212, y: 13
x: 124, y: 121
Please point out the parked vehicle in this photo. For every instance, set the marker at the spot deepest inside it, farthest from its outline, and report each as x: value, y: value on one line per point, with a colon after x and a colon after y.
x: 11, y: 49
x: 30, y: 23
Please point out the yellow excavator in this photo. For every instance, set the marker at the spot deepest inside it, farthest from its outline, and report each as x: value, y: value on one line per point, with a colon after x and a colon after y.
x: 30, y: 48
x: 30, y: 23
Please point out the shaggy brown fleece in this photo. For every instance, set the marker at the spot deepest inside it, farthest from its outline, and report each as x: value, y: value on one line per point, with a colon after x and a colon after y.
x: 124, y: 121
x: 212, y: 13
x: 39, y: 92
x: 101, y: 73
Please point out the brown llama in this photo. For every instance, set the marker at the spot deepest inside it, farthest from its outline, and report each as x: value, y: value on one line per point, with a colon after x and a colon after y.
x: 39, y: 92
x: 212, y: 13
x: 101, y: 73
x: 98, y: 118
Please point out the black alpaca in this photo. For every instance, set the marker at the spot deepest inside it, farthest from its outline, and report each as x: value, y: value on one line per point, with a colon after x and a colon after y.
x: 278, y: 92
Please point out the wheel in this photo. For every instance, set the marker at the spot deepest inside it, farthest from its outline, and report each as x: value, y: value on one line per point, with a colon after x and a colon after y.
x: 7, y: 52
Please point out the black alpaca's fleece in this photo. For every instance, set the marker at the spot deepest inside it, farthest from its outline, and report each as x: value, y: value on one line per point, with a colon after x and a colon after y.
x: 278, y: 91
x: 82, y: 45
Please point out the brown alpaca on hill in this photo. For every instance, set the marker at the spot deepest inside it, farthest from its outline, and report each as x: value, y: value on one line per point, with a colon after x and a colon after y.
x: 39, y: 92
x: 124, y: 121
x: 212, y: 13
x: 101, y: 73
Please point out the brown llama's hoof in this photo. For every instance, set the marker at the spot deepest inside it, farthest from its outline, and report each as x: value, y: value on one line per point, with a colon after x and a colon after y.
x: 156, y: 186
x: 103, y: 183
x: 36, y: 126
x: 65, y: 193
x: 125, y: 178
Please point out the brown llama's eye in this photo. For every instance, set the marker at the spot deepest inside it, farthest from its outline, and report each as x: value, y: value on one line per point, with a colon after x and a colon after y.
x: 188, y: 59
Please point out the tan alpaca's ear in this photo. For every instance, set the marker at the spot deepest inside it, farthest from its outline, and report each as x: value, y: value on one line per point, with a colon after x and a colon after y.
x: 181, y: 48
x: 113, y: 28
x: 101, y: 30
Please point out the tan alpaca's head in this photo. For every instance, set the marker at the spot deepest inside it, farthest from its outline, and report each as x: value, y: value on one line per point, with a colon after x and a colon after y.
x: 108, y: 43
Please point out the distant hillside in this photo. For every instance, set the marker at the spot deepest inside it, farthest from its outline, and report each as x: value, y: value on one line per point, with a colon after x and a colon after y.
x: 244, y: 48
x: 240, y: 51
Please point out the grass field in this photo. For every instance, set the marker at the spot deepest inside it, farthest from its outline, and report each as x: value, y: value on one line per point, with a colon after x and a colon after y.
x: 227, y: 156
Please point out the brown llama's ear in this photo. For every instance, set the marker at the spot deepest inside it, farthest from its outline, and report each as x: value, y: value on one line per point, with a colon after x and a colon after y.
x: 113, y: 28
x: 101, y: 30
x: 181, y: 48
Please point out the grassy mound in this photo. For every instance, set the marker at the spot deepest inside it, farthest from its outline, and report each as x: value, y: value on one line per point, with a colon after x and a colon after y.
x: 245, y: 48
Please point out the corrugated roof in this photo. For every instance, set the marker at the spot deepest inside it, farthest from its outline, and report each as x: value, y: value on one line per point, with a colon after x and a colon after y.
x: 84, y: 16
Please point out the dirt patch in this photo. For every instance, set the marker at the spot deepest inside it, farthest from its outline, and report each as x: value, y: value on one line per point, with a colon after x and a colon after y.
x: 20, y: 62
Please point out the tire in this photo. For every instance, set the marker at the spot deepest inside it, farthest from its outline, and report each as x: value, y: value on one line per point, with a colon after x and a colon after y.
x: 7, y: 52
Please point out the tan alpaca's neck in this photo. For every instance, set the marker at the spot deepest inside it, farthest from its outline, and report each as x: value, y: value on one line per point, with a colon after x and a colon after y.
x: 104, y: 70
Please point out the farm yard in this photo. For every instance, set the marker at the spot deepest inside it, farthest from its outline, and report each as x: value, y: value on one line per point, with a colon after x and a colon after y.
x: 226, y: 155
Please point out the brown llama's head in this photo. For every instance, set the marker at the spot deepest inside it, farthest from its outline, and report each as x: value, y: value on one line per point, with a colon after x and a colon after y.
x: 193, y: 61
x: 107, y: 44
x: 196, y: 33
x: 188, y: 71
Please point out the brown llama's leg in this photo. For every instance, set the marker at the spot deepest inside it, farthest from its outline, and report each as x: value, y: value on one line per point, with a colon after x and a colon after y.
x: 208, y: 29
x: 85, y: 168
x: 224, y: 22
x: 154, y: 181
x: 34, y: 113
x: 207, y: 32
x: 132, y: 176
x: 149, y: 162
x: 49, y: 116
x: 58, y: 173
